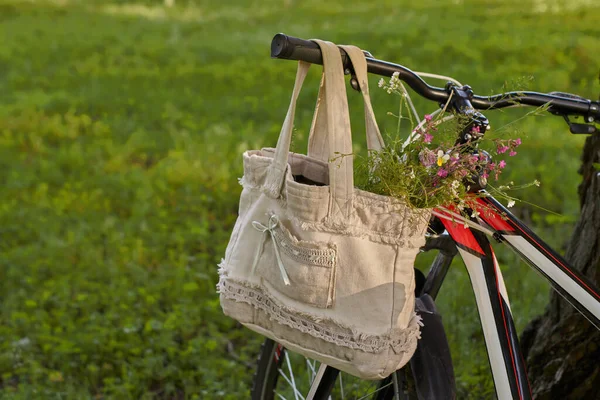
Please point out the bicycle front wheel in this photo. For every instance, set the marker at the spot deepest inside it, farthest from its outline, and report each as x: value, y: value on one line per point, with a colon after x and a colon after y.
x: 283, y: 374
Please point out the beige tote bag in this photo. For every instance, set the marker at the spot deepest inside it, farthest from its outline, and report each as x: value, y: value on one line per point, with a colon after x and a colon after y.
x: 321, y: 267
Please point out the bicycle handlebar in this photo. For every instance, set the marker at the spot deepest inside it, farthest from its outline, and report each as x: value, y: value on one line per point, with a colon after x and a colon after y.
x: 292, y: 48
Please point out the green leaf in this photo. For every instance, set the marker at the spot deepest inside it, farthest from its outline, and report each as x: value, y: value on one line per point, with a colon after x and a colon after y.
x: 190, y: 287
x: 31, y: 303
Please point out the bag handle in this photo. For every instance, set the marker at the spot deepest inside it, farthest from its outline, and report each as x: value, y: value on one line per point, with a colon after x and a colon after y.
x: 359, y: 62
x: 317, y: 143
x: 278, y: 167
x: 337, y: 118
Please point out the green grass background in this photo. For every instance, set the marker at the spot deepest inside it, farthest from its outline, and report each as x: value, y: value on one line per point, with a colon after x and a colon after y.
x: 121, y: 129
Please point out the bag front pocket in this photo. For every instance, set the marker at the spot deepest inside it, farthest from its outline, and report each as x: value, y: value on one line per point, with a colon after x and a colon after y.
x: 301, y: 270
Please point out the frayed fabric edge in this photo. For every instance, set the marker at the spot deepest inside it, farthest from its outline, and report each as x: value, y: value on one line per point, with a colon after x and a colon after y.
x: 355, y: 231
x: 400, y: 340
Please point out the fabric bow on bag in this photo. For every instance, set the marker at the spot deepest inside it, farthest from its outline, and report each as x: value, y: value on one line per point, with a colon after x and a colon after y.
x: 271, y: 225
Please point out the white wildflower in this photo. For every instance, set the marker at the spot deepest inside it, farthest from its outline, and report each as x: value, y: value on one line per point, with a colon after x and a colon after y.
x: 381, y: 82
x: 536, y: 182
x: 395, y: 81
x: 442, y: 158
x: 510, y: 204
x: 474, y: 214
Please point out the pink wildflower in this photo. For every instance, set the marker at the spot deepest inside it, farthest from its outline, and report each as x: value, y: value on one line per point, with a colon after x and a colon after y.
x: 485, y: 175
x: 476, y: 129
x: 442, y: 173
x: 502, y: 149
x: 502, y: 164
x: 427, y: 157
x: 427, y: 138
x: 518, y: 142
x: 512, y: 153
x: 428, y: 117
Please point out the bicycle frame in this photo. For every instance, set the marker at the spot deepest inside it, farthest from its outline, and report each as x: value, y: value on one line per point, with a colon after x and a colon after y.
x: 508, y: 366
x: 506, y: 361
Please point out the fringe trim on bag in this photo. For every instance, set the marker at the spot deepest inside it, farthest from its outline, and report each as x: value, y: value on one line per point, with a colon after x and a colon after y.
x: 400, y: 340
x: 411, y: 242
x: 247, y: 185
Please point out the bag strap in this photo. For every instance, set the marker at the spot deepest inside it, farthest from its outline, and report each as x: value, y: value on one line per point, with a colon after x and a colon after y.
x: 340, y: 159
x: 276, y: 173
x: 359, y: 62
x: 339, y: 137
x: 317, y: 142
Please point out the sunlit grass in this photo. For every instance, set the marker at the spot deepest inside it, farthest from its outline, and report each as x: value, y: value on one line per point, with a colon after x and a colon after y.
x: 118, y: 234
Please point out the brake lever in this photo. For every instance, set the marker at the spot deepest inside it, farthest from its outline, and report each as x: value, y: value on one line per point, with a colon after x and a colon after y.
x: 580, y: 129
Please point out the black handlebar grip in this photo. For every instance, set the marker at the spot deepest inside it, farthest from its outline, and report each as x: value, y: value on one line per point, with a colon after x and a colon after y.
x: 292, y: 48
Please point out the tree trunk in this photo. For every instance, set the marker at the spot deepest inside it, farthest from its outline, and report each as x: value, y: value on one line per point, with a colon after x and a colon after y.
x: 561, y: 347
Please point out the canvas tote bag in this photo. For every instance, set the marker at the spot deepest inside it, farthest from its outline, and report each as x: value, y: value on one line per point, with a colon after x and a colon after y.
x: 321, y: 267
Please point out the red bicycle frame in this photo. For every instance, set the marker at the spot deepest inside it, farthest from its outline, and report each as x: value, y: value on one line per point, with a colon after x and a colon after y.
x: 506, y: 360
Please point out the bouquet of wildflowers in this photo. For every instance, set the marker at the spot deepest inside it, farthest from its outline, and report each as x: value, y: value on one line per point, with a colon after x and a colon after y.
x: 431, y: 168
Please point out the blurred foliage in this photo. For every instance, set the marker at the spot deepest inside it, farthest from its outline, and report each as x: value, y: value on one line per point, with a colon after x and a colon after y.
x: 121, y: 129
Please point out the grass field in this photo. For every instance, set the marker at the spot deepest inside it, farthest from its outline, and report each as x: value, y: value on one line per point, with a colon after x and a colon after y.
x: 121, y: 129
